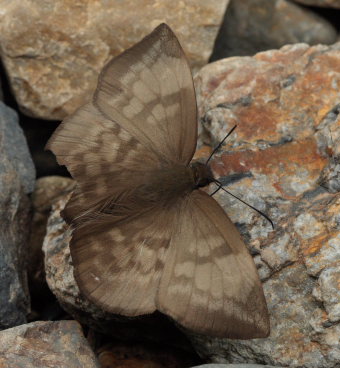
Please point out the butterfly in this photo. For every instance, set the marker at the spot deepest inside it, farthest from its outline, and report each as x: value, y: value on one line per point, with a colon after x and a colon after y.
x: 145, y: 236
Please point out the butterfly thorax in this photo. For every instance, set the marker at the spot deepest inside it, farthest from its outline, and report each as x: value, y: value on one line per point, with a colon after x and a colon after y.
x: 202, y: 175
x: 170, y: 183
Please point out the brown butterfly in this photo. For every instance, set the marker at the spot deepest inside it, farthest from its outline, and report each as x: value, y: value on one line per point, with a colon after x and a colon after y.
x: 145, y: 237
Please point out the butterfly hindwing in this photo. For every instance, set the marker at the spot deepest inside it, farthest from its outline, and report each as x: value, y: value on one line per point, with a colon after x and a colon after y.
x: 186, y: 260
x: 119, y: 267
x: 210, y: 283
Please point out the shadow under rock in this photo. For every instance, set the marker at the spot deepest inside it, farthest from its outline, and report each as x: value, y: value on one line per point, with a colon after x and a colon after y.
x: 37, y: 132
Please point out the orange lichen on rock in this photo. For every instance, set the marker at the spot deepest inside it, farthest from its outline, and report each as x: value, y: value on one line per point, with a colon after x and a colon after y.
x: 281, y: 163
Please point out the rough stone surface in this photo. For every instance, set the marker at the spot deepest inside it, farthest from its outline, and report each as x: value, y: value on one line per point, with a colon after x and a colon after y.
x: 46, y: 344
x: 251, y: 26
x: 47, y: 191
x: 323, y: 3
x: 14, y: 148
x: 54, y: 50
x: 17, y: 177
x: 285, y: 105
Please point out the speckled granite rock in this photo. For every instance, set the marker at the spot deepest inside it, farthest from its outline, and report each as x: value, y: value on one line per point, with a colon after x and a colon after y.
x: 251, y: 26
x: 285, y: 105
x: 58, y: 344
x: 17, y: 177
x: 54, y: 50
x: 323, y: 3
x: 287, y: 136
x: 47, y: 191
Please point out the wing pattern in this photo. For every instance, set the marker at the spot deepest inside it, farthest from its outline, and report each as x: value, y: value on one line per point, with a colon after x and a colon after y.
x: 148, y: 89
x: 210, y: 282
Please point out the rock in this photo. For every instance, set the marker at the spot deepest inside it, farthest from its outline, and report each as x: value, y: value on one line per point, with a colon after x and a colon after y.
x: 251, y: 26
x: 327, y: 291
x: 47, y: 191
x: 288, y: 133
x: 46, y: 344
x: 17, y: 177
x: 54, y: 50
x: 14, y: 148
x: 285, y: 105
x: 321, y: 3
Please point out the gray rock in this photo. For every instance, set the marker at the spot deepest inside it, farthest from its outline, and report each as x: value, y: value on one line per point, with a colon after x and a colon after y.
x: 17, y: 176
x: 46, y: 344
x: 14, y: 147
x: 47, y: 191
x: 286, y: 105
x: 251, y: 26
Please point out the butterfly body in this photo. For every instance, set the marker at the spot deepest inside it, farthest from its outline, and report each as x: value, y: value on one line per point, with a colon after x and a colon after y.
x: 168, y: 183
x: 145, y: 236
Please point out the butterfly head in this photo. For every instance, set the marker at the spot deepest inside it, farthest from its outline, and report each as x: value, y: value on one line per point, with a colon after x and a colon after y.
x: 202, y: 174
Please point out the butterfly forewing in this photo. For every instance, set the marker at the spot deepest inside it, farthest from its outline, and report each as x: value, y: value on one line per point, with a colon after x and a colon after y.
x: 141, y: 240
x: 149, y: 90
x: 101, y: 156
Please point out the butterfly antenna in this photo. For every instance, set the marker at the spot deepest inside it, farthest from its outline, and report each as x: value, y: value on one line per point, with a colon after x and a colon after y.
x: 215, y: 191
x: 220, y: 144
x: 233, y: 195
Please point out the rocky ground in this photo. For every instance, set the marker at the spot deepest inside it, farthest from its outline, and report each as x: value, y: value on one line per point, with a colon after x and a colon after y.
x: 274, y: 70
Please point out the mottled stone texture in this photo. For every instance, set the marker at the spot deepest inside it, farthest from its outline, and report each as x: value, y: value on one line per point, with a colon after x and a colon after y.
x: 251, y: 26
x: 282, y: 159
x: 46, y: 344
x: 58, y: 264
x: 324, y: 3
x: 17, y: 176
x: 54, y: 50
x: 47, y: 191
